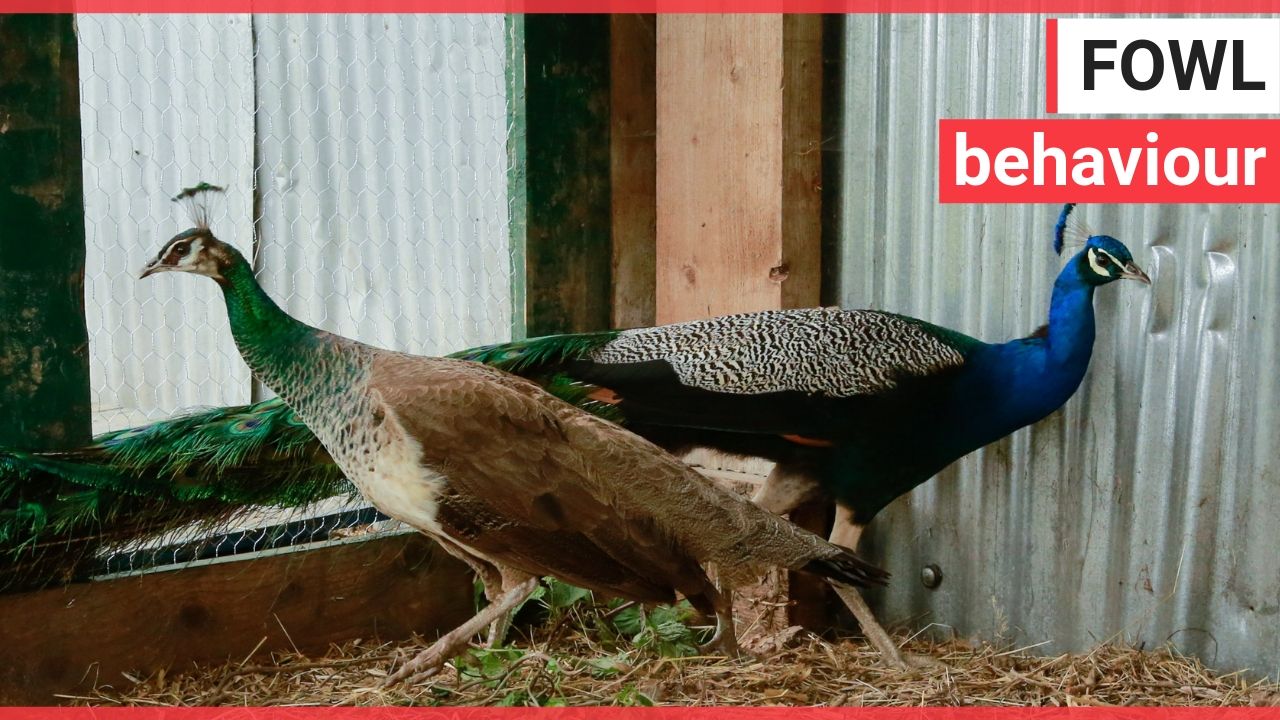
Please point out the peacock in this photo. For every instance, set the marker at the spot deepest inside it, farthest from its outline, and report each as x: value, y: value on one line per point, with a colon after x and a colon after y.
x: 515, y: 481
x: 858, y: 406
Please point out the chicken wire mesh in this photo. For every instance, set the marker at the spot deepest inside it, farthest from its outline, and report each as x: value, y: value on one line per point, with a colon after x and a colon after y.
x: 365, y: 166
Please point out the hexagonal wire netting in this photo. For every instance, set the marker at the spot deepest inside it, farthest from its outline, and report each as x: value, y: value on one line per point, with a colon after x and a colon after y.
x: 365, y: 166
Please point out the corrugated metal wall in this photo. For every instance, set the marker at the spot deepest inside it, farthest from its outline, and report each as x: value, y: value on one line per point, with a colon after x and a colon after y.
x: 1149, y: 509
x: 368, y: 151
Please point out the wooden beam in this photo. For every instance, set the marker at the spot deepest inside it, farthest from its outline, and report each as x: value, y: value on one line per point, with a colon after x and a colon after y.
x: 719, y: 164
x: 567, y: 251
x: 739, y: 182
x: 44, y: 346
x: 633, y: 128
x: 67, y: 639
x: 801, y: 284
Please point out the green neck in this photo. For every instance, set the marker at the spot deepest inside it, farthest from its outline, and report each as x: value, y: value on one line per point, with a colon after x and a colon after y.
x: 267, y: 336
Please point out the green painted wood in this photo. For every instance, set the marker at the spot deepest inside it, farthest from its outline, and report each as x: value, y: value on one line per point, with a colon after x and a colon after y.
x: 517, y: 168
x: 44, y: 346
x: 568, y: 254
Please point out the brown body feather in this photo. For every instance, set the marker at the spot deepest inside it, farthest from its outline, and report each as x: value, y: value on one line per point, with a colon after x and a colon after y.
x: 537, y: 484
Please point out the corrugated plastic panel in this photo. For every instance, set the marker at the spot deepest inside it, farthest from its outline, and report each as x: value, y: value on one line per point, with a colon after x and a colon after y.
x: 1148, y: 510
x: 383, y: 176
x: 368, y: 153
x: 166, y: 102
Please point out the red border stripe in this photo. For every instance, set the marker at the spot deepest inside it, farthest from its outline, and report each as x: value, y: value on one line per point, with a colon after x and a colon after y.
x: 1051, y: 66
x: 647, y: 6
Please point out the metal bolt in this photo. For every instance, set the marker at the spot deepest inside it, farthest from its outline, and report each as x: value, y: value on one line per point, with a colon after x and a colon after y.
x: 931, y: 576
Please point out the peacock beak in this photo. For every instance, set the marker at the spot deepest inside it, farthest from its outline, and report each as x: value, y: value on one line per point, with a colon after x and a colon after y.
x: 1133, y: 272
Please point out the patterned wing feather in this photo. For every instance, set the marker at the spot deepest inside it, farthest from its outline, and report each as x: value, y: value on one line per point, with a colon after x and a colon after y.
x: 827, y: 351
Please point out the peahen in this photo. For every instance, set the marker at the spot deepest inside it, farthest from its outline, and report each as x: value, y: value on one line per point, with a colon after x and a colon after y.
x: 510, y: 478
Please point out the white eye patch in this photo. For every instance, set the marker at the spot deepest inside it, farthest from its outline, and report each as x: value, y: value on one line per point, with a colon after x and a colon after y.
x: 1097, y: 266
x: 193, y: 252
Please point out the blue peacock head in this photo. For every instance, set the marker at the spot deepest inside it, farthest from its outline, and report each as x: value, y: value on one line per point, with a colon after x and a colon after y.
x: 1104, y: 259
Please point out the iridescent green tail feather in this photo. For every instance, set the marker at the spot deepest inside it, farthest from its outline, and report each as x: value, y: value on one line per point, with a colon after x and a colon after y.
x: 59, y: 510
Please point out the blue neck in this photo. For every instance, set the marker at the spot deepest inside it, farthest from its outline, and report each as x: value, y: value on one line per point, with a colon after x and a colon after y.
x: 1071, y: 327
x: 1022, y: 381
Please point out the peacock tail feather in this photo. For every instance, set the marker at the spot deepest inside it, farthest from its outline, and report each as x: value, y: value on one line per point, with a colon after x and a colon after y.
x: 540, y: 359
x: 58, y: 510
x: 522, y: 356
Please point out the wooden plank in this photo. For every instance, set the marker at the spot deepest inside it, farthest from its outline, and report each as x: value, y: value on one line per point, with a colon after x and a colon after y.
x: 739, y: 174
x: 44, y: 350
x: 567, y: 252
x: 811, y: 599
x: 801, y: 267
x: 386, y: 588
x: 633, y: 176
x: 719, y: 164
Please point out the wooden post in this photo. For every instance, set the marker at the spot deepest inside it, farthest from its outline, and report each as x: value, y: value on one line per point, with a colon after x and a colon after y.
x: 567, y: 252
x: 739, y: 179
x: 44, y: 346
x: 633, y: 128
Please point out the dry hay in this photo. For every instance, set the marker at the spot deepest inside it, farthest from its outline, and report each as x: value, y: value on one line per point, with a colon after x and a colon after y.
x: 573, y: 659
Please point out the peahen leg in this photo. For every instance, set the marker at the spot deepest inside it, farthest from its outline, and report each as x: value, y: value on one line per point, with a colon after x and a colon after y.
x: 430, y: 661
x: 725, y: 638
x: 491, y: 578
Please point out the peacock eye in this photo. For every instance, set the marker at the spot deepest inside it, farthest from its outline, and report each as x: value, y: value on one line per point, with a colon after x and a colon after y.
x: 1103, y: 260
x: 180, y: 248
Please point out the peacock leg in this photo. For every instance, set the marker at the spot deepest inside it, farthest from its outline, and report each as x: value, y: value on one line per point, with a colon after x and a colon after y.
x: 847, y: 533
x: 870, y: 626
x: 844, y: 531
x: 430, y: 661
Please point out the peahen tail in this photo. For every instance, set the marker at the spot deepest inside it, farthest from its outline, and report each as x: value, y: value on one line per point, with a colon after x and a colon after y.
x: 59, y: 509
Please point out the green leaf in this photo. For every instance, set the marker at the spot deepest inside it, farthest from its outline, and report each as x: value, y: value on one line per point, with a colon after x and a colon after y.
x: 561, y: 595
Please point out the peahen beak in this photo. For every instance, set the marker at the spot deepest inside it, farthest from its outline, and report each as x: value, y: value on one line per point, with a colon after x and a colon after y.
x: 152, y: 268
x: 1133, y: 272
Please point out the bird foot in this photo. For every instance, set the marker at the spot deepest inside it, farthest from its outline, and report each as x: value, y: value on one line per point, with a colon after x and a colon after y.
x: 916, y: 661
x: 432, y: 660
x: 717, y: 646
x: 725, y: 639
x: 425, y: 664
